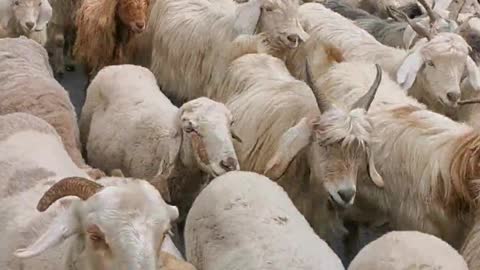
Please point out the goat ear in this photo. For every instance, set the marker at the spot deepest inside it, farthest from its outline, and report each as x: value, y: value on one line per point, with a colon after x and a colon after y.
x: 473, y: 74
x: 247, y: 17
x: 62, y: 227
x: 44, y: 16
x: 172, y: 212
x: 372, y: 170
x: 407, y: 73
x: 290, y: 144
x: 408, y: 36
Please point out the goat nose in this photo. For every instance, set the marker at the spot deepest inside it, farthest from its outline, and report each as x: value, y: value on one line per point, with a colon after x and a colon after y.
x: 140, y: 25
x: 294, y: 38
x: 30, y: 25
x: 453, y: 96
x: 346, y: 194
x: 229, y: 164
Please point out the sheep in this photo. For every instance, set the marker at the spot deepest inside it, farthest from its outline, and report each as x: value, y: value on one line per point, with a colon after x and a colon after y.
x: 182, y: 146
x: 431, y: 71
x: 104, y: 30
x: 61, y: 34
x: 402, y: 250
x: 243, y: 220
x: 197, y: 39
x: 291, y: 141
x: 435, y: 190
x: 125, y: 218
x: 27, y: 85
x: 25, y: 18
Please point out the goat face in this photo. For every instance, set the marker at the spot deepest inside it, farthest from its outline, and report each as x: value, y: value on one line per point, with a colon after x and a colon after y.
x: 208, y: 126
x: 27, y: 12
x: 340, y: 141
x: 438, y: 66
x: 134, y: 13
x: 279, y: 19
x: 116, y: 227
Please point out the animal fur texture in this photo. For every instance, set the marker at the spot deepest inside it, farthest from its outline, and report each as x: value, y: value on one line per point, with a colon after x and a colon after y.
x: 431, y: 70
x: 243, y: 220
x: 25, y: 18
x: 387, y: 32
x: 408, y: 250
x: 159, y: 142
x: 28, y: 86
x: 436, y: 189
x: 291, y: 143
x: 35, y: 160
x: 197, y: 40
x: 105, y: 29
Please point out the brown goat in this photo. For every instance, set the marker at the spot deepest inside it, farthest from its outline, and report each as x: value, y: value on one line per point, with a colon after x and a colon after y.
x: 105, y: 27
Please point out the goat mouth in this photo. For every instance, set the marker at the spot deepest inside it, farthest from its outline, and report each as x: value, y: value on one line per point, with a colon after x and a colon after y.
x: 335, y: 204
x: 448, y: 104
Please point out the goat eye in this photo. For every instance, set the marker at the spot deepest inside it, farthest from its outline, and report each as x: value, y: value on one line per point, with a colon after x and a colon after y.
x: 268, y: 9
x: 430, y: 63
x: 17, y: 3
x: 40, y: 4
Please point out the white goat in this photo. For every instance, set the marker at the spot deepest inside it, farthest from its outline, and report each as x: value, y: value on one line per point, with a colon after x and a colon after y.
x: 312, y: 157
x: 186, y: 144
x: 27, y: 85
x: 431, y: 70
x: 436, y: 188
x: 25, y: 17
x: 242, y: 220
x: 197, y: 39
x: 403, y: 250
x: 114, y: 223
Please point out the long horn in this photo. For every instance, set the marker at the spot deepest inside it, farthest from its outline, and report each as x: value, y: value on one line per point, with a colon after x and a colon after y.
x: 468, y: 101
x: 464, y: 24
x: 71, y: 186
x: 419, y: 29
x: 366, y: 100
x: 430, y: 12
x: 322, y: 102
x: 454, y: 13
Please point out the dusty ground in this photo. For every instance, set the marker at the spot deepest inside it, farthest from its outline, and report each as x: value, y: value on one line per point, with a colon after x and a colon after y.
x: 75, y: 83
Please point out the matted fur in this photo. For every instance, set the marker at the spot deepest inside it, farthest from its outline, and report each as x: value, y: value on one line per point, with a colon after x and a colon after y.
x: 103, y: 35
x: 28, y: 86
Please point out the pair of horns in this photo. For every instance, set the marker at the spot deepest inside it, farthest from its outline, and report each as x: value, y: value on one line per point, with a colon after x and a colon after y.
x: 364, y: 102
x: 71, y: 186
x: 418, y: 28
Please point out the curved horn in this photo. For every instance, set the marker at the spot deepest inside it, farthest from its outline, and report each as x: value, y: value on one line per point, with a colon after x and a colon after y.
x: 322, y: 102
x: 430, y: 12
x: 419, y: 29
x: 71, y: 186
x: 464, y: 24
x: 366, y: 100
x: 468, y: 101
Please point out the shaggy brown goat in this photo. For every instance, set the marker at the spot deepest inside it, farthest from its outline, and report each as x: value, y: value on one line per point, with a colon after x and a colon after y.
x: 105, y: 27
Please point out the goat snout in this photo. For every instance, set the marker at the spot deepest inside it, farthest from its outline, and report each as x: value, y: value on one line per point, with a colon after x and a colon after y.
x: 347, y: 195
x: 140, y: 25
x: 229, y: 164
x: 30, y: 25
x: 294, y: 40
x: 453, y: 96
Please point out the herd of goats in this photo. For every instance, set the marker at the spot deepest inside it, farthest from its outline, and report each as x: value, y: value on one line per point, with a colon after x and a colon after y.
x: 240, y: 135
